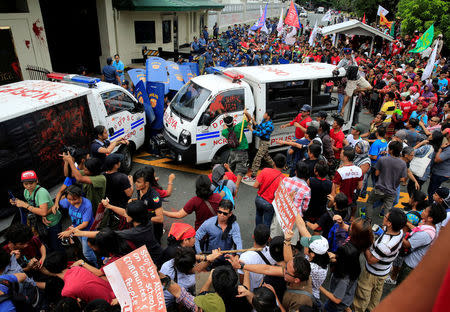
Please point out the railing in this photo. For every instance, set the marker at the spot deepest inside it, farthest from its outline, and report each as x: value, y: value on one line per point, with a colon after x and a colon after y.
x: 37, y: 73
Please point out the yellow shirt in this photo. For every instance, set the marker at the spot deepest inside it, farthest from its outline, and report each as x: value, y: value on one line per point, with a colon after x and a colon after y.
x: 388, y: 108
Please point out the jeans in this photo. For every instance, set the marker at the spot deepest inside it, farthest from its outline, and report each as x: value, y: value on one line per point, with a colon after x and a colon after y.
x: 53, y: 242
x: 435, y: 183
x: 264, y: 211
x: 397, y: 197
x: 341, y: 101
x: 88, y: 252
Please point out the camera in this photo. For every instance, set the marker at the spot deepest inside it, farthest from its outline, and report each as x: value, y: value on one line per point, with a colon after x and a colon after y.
x: 69, y: 149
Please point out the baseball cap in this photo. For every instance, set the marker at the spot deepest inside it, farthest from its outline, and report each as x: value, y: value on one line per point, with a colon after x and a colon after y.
x: 306, y: 108
x: 181, y: 231
x: 28, y: 176
x: 210, y: 302
x: 359, y: 128
x: 228, y: 120
x: 317, y: 243
x: 401, y: 134
x: 112, y: 159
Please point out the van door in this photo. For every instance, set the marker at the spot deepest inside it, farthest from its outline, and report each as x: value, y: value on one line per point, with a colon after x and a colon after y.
x: 209, y: 139
x: 125, y: 117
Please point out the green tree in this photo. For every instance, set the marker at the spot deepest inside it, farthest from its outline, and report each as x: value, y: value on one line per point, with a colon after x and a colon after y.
x: 421, y: 14
x: 370, y: 8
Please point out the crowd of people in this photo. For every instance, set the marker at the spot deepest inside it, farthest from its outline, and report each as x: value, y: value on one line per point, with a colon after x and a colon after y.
x: 324, y: 171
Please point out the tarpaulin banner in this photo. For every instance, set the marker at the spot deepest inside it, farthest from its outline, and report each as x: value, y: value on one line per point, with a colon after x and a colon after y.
x: 155, y: 92
x: 136, y: 75
x: 156, y: 69
x: 142, y: 96
x: 135, y: 281
x: 176, y: 80
x: 284, y: 208
x: 186, y: 72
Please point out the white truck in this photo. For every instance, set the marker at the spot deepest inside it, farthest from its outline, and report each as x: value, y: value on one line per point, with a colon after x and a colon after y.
x: 39, y: 118
x: 194, y: 119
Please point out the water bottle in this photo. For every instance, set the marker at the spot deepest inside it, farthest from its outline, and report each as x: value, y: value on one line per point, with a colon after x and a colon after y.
x: 377, y: 230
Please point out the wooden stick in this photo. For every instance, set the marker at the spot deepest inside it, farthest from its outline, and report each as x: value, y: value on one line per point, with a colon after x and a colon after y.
x: 234, y: 251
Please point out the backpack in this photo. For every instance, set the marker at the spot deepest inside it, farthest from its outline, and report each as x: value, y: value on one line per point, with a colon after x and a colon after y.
x: 336, y: 237
x: 19, y: 300
x: 226, y: 190
x: 232, y: 138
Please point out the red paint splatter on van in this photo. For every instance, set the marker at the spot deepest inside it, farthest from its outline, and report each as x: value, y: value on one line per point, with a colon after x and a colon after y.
x: 27, y: 43
x: 38, y: 30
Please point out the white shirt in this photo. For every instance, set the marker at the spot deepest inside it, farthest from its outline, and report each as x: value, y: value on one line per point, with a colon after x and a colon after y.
x: 351, y: 140
x: 252, y: 257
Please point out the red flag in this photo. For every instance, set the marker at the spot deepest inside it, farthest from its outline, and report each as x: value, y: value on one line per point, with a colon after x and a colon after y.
x: 292, y: 16
x: 364, y: 18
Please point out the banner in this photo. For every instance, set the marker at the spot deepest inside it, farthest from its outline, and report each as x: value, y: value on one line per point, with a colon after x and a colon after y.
x: 364, y: 19
x: 142, y: 96
x: 176, y: 80
x: 312, y: 37
x: 137, y: 75
x: 384, y: 21
x: 430, y: 65
x: 292, y: 16
x: 382, y: 10
x: 327, y: 16
x: 135, y: 281
x: 280, y: 23
x: 186, y: 72
x: 424, y: 41
x: 392, y: 34
x: 156, y: 69
x: 261, y: 22
x: 284, y: 208
x: 156, y: 93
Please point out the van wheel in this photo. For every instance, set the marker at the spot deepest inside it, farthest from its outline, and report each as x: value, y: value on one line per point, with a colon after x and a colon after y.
x: 127, y: 160
x: 221, y: 157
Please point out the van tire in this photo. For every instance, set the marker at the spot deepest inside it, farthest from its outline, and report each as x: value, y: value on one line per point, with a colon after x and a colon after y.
x: 221, y: 157
x: 127, y: 159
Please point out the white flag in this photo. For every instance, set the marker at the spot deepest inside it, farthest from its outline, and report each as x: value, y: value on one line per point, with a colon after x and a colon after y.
x: 430, y: 66
x: 290, y: 38
x: 312, y: 37
x: 327, y: 16
x: 280, y: 23
x: 333, y: 39
x: 382, y: 11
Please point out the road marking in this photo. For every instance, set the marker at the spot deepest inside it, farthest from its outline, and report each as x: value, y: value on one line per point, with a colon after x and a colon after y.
x: 404, y: 198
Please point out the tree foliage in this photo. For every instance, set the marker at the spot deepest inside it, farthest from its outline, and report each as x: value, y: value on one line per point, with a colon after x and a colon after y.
x: 421, y: 14
x: 370, y: 8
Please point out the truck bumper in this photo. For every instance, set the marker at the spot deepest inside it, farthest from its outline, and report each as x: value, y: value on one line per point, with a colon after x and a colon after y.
x: 179, y: 152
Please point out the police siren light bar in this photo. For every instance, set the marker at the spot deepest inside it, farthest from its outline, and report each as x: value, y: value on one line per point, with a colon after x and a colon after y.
x: 89, y: 81
x: 229, y: 74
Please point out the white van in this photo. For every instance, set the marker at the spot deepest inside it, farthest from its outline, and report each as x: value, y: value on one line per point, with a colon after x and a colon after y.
x: 39, y: 118
x: 194, y: 119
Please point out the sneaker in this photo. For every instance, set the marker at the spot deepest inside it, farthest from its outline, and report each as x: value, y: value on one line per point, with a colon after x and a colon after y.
x: 389, y: 280
x: 249, y: 180
x: 362, y: 212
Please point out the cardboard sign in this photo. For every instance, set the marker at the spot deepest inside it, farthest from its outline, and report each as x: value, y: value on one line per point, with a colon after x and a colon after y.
x: 284, y: 208
x: 135, y: 282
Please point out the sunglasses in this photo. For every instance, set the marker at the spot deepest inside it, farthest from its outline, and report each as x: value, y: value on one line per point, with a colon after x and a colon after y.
x: 222, y: 212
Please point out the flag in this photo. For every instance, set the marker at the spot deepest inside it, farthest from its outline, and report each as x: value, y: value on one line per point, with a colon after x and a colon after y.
x: 290, y: 37
x: 430, y: 66
x: 382, y: 10
x: 292, y: 16
x: 392, y: 34
x: 280, y: 23
x: 142, y: 96
x: 155, y: 92
x: 327, y: 16
x: 424, y: 41
x: 261, y: 22
x: 333, y: 39
x: 384, y: 21
x: 137, y: 75
x: 312, y: 37
x: 364, y: 18
x: 156, y: 69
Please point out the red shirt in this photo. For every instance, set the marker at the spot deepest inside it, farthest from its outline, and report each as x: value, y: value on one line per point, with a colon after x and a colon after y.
x: 298, y: 132
x: 80, y: 283
x: 161, y: 193
x: 338, y: 142
x: 230, y: 175
x: 269, y: 179
x: 348, y: 177
x: 31, y: 251
x: 407, y: 108
x: 202, y: 212
x: 335, y: 60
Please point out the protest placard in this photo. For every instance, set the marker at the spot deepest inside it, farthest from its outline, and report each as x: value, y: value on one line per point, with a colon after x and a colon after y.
x: 135, y: 282
x: 284, y: 208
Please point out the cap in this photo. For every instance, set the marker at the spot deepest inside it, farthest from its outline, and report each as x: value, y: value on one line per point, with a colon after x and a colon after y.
x: 228, y: 120
x: 181, y: 231
x: 313, y: 123
x: 112, y: 159
x: 28, y: 176
x: 317, y: 243
x: 401, y: 134
x: 210, y: 302
x: 347, y: 51
x: 359, y: 128
x: 217, y: 173
x: 306, y: 108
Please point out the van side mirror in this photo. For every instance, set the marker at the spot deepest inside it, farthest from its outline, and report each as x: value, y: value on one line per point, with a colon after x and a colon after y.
x: 205, y: 119
x: 138, y: 107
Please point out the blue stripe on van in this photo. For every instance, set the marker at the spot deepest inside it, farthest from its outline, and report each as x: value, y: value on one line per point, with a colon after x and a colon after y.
x: 135, y: 122
x: 208, y: 137
x: 138, y: 124
x: 207, y: 134
x: 117, y: 134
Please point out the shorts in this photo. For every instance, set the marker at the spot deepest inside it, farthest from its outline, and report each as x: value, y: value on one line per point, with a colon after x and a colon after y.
x: 238, y: 160
x: 352, y: 85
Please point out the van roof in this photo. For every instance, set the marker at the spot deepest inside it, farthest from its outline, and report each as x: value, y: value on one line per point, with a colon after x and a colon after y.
x: 27, y: 96
x: 286, y: 72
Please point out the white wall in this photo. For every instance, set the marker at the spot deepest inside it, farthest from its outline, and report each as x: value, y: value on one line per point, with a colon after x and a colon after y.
x: 29, y: 37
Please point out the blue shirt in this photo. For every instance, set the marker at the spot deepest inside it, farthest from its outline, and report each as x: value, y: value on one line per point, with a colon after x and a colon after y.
x: 423, y: 117
x: 119, y: 66
x: 7, y: 305
x: 264, y: 130
x: 110, y: 74
x: 81, y: 214
x: 442, y: 83
x: 377, y: 148
x: 195, y: 46
x: 214, y: 231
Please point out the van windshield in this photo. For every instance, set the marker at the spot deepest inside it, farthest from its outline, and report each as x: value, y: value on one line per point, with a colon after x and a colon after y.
x: 188, y: 101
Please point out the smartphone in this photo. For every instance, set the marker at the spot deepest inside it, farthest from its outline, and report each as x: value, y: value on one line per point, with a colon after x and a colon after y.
x: 11, y: 195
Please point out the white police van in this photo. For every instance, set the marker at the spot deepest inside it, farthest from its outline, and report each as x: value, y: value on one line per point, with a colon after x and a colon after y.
x: 39, y: 118
x: 194, y: 119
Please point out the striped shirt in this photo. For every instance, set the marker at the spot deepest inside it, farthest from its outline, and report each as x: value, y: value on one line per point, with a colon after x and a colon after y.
x: 385, y: 249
